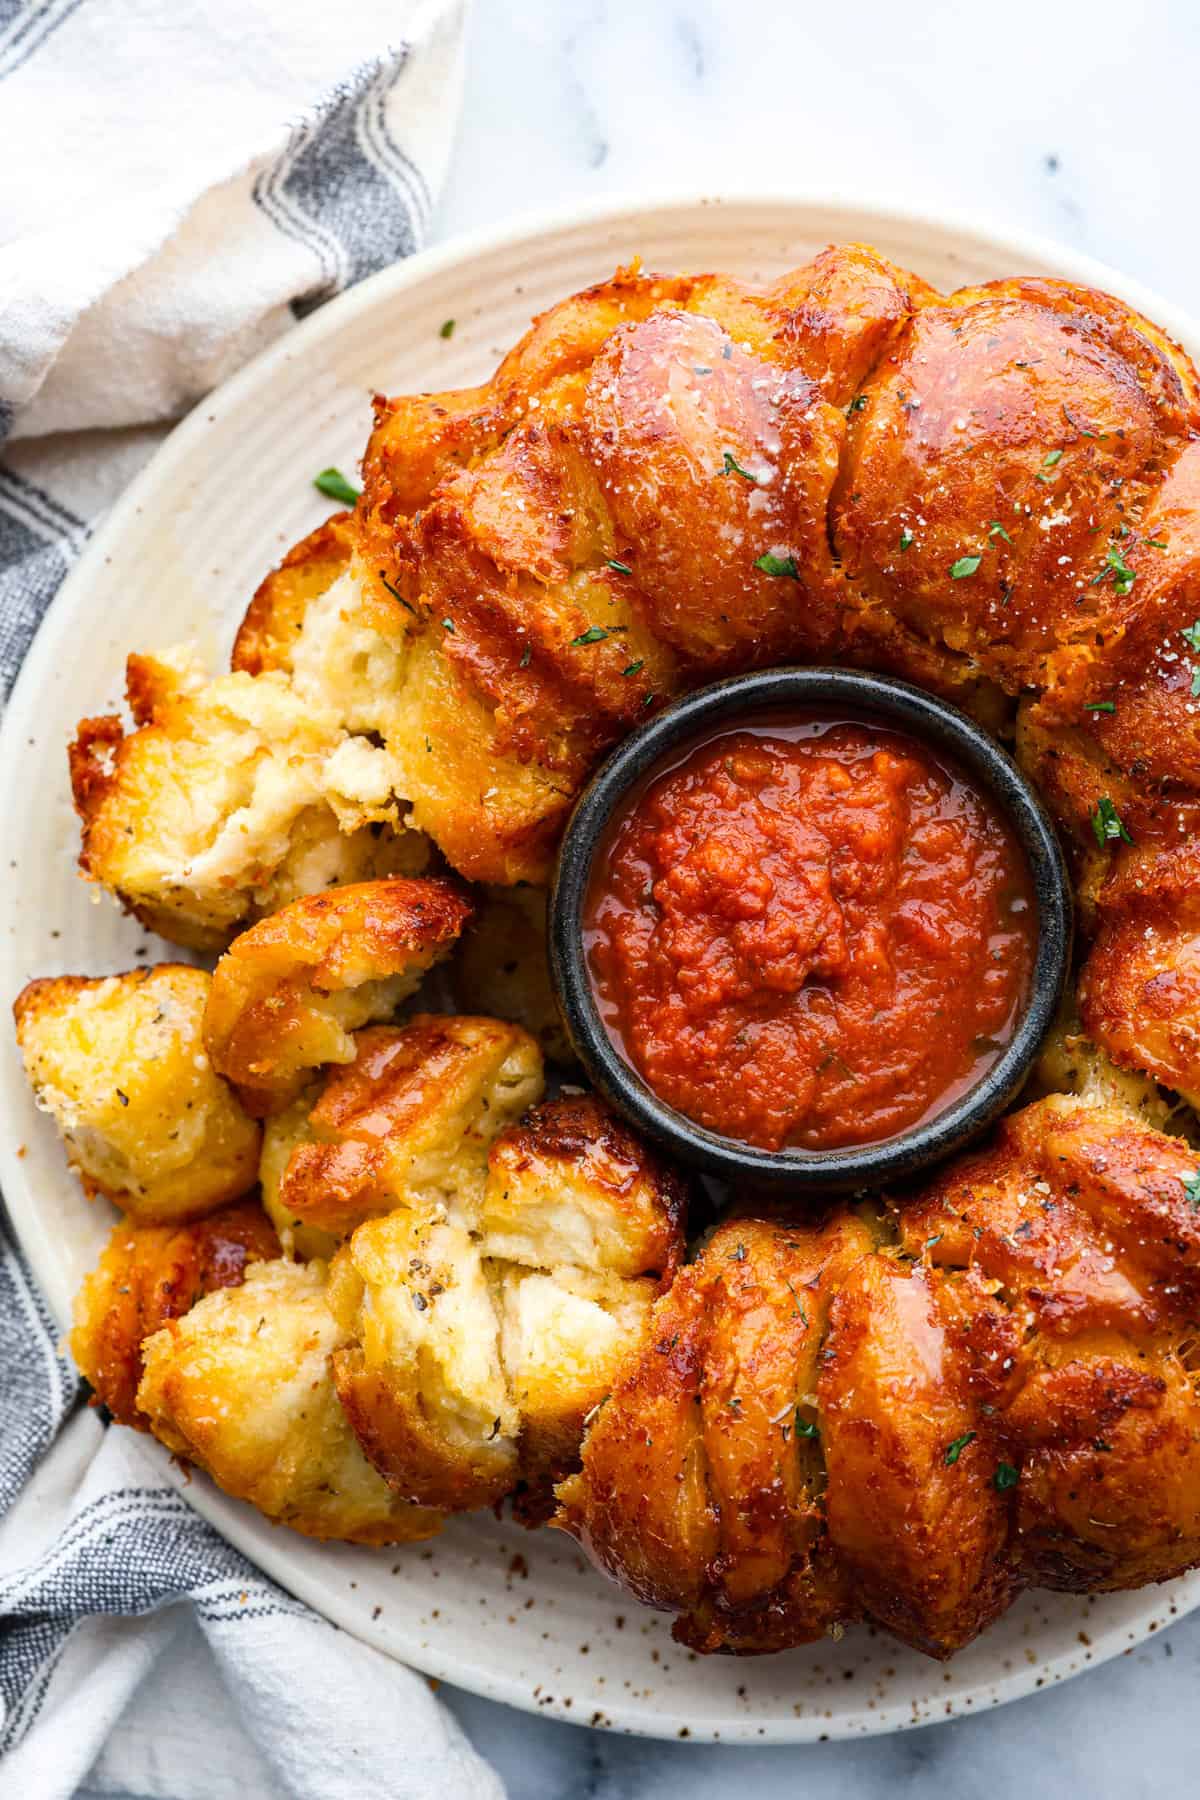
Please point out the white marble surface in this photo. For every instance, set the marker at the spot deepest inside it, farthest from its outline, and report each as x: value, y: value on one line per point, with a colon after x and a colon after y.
x: 1067, y: 117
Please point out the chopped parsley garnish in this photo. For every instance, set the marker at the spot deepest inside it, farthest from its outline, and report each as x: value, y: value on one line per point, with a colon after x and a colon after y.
x: 996, y: 530
x: 333, y: 484
x: 771, y: 564
x: 734, y: 467
x: 1195, y: 681
x: 1099, y: 706
x: 1083, y: 430
x: 619, y: 567
x: 526, y: 656
x: 930, y: 1242
x: 448, y: 625
x: 1005, y: 1477
x: 796, y: 1301
x: 955, y: 1449
x: 1191, y: 1189
x: 447, y: 328
x: 806, y: 1429
x: 1116, y: 566
x: 1107, y: 825
x: 396, y: 594
x: 633, y: 667
x: 906, y: 538
x: 966, y: 565
x: 1191, y: 635
x: 1051, y: 460
x: 1157, y: 543
x: 857, y: 404
x: 592, y: 635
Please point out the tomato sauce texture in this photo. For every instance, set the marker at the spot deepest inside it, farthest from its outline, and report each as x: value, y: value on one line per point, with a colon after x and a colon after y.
x: 810, y: 933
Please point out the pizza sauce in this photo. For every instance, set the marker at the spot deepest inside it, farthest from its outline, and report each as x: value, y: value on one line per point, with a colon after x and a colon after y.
x: 810, y: 932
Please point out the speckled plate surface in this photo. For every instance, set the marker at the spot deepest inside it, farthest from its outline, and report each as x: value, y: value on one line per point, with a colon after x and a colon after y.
x: 506, y: 1613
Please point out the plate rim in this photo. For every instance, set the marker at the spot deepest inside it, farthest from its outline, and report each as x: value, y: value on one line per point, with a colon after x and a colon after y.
x: 604, y: 213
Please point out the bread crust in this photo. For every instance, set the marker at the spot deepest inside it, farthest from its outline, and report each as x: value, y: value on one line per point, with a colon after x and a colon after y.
x: 912, y: 1416
x: 289, y: 992
x: 119, y: 1063
x: 147, y: 1275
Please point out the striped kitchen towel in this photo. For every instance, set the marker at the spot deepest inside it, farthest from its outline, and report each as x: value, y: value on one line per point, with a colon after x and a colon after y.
x: 191, y: 176
x: 187, y: 178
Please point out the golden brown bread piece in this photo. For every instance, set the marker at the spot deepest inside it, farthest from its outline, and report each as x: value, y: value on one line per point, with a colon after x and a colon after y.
x: 922, y: 1541
x: 1025, y: 423
x: 1139, y: 990
x: 911, y: 1417
x: 230, y: 798
x: 289, y: 992
x: 119, y: 1063
x: 571, y: 1183
x: 241, y: 1387
x: 149, y: 1274
x: 422, y: 1384
x: 484, y: 1330
x: 407, y: 1123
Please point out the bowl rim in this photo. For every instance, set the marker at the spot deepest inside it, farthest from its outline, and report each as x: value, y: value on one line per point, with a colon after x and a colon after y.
x: 882, y: 699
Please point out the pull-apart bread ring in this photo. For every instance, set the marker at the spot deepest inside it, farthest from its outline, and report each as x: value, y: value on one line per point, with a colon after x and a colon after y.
x: 289, y: 992
x: 904, y: 1410
x: 910, y: 1416
x: 119, y: 1062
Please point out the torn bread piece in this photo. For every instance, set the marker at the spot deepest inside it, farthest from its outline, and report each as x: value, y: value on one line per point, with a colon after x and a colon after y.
x: 289, y: 992
x: 119, y: 1062
x: 149, y: 1274
x: 233, y: 796
x: 408, y: 1123
x: 241, y: 1387
x: 479, y: 1343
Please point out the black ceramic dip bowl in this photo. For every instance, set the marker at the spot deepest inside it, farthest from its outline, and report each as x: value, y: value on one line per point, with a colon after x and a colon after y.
x: 867, y: 711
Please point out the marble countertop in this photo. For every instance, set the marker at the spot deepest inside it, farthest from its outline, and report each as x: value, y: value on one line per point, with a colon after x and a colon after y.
x: 1066, y: 119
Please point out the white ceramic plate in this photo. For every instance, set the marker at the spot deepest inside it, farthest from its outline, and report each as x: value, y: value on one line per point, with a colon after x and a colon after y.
x: 510, y: 1614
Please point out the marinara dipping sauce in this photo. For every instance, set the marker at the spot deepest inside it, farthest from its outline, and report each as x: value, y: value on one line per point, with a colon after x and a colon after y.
x: 809, y: 932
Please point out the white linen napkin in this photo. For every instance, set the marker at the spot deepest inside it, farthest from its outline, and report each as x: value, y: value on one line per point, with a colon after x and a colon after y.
x: 187, y: 177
